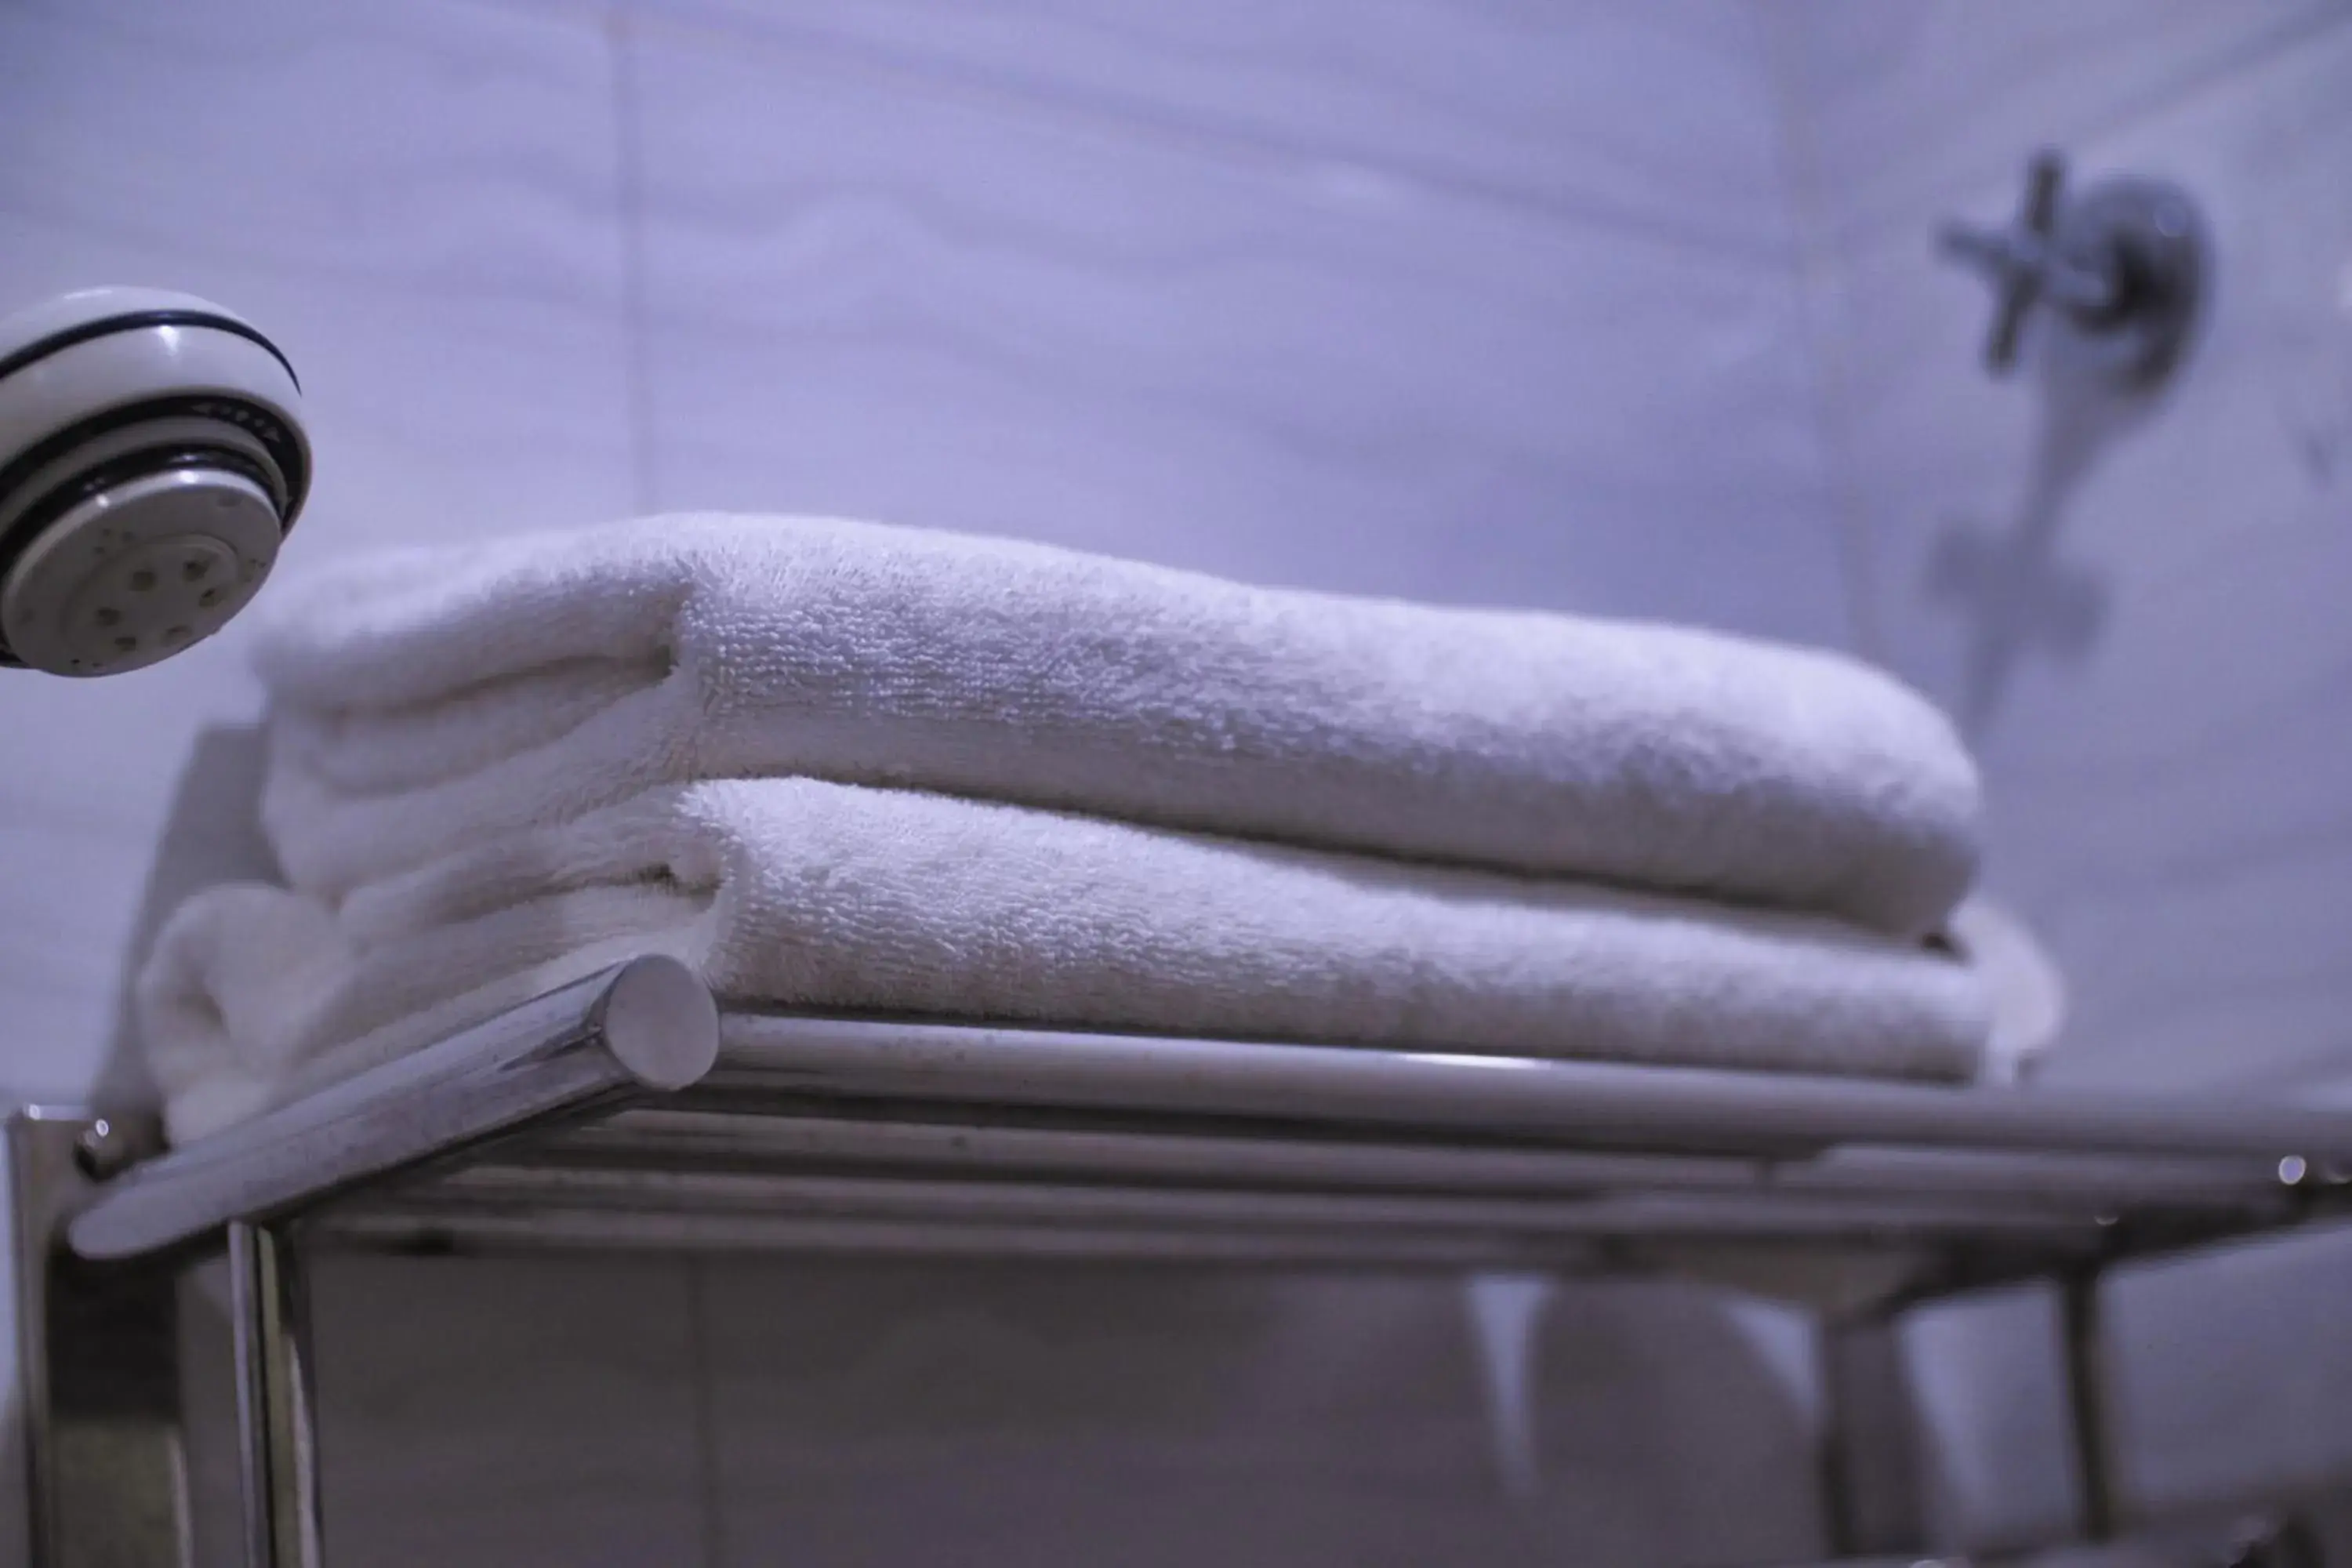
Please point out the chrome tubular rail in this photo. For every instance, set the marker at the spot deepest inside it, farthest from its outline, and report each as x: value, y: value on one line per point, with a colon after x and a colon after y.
x: 1590, y: 1103
x: 645, y: 1026
x: 624, y: 1111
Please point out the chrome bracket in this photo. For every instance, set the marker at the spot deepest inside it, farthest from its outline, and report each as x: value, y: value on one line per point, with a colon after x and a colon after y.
x: 106, y: 1477
x: 99, y: 1347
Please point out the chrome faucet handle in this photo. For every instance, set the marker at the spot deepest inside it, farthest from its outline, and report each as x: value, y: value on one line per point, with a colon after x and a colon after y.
x: 2123, y: 263
x: 2013, y: 258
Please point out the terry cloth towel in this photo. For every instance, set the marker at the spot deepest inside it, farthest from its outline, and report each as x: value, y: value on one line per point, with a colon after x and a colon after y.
x: 435, y: 700
x: 801, y: 893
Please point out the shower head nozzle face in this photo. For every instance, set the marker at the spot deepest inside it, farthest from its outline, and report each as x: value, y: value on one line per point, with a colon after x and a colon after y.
x: 139, y: 571
x: 151, y: 459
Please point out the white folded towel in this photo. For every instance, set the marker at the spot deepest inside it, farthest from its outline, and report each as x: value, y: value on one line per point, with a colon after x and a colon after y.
x: 804, y: 893
x: 439, y: 699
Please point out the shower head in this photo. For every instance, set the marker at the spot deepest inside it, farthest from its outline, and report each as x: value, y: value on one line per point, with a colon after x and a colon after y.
x: 151, y: 458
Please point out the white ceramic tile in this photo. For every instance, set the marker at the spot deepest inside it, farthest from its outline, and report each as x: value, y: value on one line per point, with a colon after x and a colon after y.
x: 1673, y: 1425
x: 908, y: 1414
x: 871, y: 292
x: 1986, y: 1382
x: 2233, y: 1375
x: 506, y: 1413
x: 420, y: 205
x: 2171, y: 789
x: 70, y: 901
x: 904, y: 1414
x: 1903, y: 106
x: 433, y: 151
x: 2139, y: 611
x: 1647, y: 116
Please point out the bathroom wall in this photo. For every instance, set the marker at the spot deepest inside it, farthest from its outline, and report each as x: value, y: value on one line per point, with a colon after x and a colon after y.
x: 1619, y: 308
x: 1420, y: 297
x: 2135, y: 607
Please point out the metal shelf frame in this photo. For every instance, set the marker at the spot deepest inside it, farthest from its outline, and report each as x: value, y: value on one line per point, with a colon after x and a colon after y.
x: 627, y: 1112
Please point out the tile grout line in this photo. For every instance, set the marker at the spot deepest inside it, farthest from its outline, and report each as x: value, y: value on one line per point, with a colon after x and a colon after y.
x: 628, y: 147
x: 1824, y: 344
x: 629, y: 129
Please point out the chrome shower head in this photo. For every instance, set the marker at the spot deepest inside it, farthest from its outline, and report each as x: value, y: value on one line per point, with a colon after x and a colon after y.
x: 151, y: 458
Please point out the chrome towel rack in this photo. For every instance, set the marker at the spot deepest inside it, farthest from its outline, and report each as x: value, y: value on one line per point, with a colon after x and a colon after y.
x: 627, y: 1112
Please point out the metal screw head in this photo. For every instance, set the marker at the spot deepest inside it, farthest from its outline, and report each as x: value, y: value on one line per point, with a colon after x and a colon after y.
x: 102, y: 1150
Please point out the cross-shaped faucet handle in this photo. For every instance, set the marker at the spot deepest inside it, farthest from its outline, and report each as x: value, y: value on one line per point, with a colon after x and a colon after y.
x: 2028, y: 261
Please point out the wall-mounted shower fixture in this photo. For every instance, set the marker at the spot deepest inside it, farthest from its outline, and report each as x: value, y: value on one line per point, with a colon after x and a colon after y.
x: 2123, y: 263
x: 151, y: 458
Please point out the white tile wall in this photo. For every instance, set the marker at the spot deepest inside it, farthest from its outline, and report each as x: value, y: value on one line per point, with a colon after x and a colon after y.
x: 2160, y: 603
x: 1987, y: 1376
x: 521, y: 1411
x: 911, y: 1416
x: 2134, y: 610
x: 870, y: 290
x: 1671, y: 1427
x: 1905, y: 105
x: 420, y: 204
x: 1427, y: 299
x: 1623, y: 308
x: 1558, y: 107
x: 947, y: 297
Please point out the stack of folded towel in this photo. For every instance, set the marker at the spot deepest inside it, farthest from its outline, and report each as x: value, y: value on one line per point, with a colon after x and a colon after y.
x: 843, y: 767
